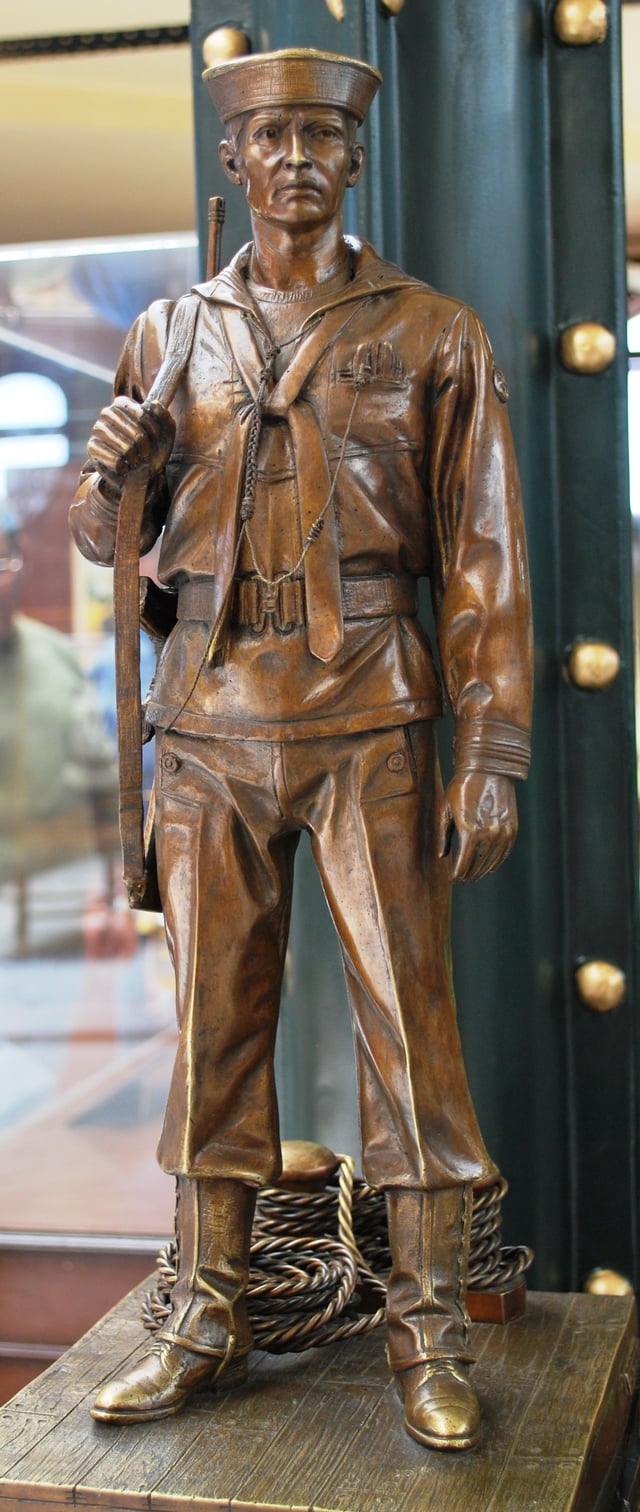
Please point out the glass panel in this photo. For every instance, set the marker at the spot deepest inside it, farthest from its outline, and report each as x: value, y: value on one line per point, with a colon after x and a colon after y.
x: 86, y: 994
x: 633, y: 342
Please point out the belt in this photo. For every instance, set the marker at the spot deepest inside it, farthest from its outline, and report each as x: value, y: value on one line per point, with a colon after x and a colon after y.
x: 255, y: 602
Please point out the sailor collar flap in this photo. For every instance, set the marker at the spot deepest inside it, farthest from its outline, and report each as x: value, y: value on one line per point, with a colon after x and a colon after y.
x: 229, y: 290
x: 373, y: 276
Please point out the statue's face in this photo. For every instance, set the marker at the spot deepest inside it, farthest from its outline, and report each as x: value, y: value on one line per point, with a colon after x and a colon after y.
x: 294, y: 164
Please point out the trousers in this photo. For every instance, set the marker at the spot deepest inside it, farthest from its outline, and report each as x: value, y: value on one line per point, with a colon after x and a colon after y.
x: 229, y: 817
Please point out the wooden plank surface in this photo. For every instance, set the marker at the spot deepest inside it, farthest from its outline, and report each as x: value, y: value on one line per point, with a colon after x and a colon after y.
x: 322, y: 1431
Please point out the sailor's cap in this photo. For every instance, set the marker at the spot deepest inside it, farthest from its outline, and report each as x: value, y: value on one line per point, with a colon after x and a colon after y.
x: 293, y: 76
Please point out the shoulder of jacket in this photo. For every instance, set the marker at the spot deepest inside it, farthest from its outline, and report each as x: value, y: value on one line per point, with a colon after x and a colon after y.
x: 165, y: 322
x: 160, y: 314
x: 157, y: 314
x: 384, y: 275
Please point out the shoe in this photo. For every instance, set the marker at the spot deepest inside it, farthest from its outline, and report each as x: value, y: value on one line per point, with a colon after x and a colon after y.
x: 441, y: 1408
x: 162, y: 1382
x: 208, y: 1309
x: 427, y: 1324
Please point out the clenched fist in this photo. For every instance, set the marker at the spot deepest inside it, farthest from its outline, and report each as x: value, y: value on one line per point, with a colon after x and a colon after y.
x: 480, y: 809
x: 128, y: 435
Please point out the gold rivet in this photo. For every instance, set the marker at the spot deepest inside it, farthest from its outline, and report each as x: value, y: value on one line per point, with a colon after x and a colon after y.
x: 588, y: 347
x: 607, y: 1283
x: 223, y: 44
x: 593, y: 664
x: 601, y: 985
x: 394, y: 6
x: 579, y: 22
x: 337, y: 9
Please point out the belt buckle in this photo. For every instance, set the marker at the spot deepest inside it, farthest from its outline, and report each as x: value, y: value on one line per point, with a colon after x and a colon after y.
x: 270, y: 605
x: 288, y: 588
x: 267, y: 608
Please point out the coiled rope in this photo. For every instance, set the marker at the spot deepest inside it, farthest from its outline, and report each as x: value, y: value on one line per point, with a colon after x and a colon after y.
x: 319, y: 1261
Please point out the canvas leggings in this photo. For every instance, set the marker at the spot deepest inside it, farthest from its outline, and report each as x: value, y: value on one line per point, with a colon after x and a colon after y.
x: 229, y: 817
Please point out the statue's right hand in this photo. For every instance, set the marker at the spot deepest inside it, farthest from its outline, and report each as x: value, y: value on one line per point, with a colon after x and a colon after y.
x: 128, y: 435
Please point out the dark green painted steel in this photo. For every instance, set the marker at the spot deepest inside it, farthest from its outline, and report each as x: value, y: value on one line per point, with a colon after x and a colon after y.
x: 472, y: 149
x: 594, y: 550
x: 494, y: 172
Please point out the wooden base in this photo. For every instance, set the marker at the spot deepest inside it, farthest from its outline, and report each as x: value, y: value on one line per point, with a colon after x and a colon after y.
x: 323, y: 1430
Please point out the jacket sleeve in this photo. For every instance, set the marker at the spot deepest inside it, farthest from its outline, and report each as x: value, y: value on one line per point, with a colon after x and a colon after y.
x: 93, y: 516
x: 480, y: 583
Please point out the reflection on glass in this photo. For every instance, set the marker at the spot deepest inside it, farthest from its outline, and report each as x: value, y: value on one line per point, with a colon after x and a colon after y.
x: 633, y: 339
x: 86, y: 998
x: 633, y: 343
x: 58, y: 772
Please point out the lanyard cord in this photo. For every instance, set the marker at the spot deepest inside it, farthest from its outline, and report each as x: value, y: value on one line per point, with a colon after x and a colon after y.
x: 317, y: 525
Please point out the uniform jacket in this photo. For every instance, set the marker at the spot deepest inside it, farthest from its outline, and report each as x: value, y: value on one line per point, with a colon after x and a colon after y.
x: 401, y: 392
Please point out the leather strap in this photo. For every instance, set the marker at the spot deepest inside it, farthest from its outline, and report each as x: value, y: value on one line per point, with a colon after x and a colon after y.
x: 138, y: 877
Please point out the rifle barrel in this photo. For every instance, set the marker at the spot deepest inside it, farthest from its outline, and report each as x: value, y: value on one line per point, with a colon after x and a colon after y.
x: 217, y: 209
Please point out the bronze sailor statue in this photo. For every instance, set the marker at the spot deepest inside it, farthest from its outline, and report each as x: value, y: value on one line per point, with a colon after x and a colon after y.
x: 337, y: 431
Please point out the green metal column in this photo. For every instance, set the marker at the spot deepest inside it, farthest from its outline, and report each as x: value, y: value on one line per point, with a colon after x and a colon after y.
x: 494, y: 172
x: 597, y: 728
x: 475, y: 223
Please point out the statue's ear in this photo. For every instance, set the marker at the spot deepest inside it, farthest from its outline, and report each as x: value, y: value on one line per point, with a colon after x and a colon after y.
x: 227, y: 155
x: 356, y: 164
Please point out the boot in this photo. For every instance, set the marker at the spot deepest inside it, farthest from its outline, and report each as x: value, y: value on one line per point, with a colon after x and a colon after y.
x: 427, y: 1323
x: 208, y: 1331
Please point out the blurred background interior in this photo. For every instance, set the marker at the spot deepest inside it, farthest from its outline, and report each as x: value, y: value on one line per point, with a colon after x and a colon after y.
x: 496, y: 174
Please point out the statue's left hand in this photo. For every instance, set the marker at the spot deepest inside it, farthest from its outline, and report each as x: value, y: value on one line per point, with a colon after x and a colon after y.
x: 480, y: 808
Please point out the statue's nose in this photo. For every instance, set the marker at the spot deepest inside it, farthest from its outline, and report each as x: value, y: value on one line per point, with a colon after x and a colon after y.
x: 297, y: 154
